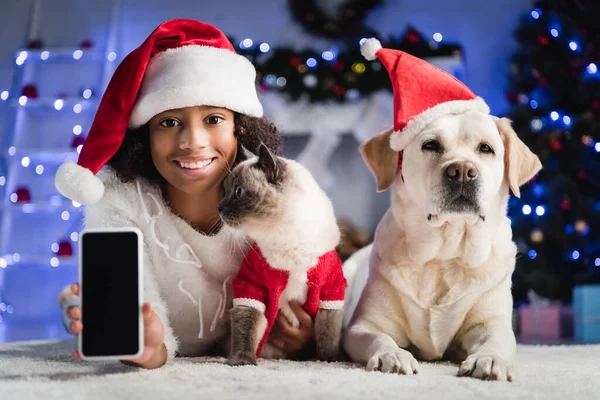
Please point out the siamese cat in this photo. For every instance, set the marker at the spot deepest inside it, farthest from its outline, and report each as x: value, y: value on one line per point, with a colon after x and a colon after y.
x: 278, y: 205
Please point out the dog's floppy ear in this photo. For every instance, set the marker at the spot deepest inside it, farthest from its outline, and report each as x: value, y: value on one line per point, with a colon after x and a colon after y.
x: 381, y: 159
x: 520, y: 164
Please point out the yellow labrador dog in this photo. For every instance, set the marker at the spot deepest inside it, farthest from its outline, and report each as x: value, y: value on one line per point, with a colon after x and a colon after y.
x: 439, y: 284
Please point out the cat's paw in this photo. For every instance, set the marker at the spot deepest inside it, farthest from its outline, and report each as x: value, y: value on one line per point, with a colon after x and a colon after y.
x: 485, y: 367
x: 329, y: 352
x: 399, y: 361
x: 242, y: 358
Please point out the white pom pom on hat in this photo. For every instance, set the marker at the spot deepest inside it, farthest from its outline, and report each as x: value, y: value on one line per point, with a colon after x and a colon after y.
x: 369, y: 48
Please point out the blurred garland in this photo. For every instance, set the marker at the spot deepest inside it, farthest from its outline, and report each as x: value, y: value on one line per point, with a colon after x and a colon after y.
x: 314, y: 20
x: 333, y: 75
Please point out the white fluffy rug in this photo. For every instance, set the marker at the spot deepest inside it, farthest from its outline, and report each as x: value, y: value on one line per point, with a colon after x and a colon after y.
x: 43, y: 370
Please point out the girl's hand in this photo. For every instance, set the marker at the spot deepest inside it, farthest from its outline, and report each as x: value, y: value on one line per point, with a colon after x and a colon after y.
x: 289, y: 339
x: 154, y: 354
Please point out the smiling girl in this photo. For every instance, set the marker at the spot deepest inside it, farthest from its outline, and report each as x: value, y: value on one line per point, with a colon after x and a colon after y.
x: 168, y: 130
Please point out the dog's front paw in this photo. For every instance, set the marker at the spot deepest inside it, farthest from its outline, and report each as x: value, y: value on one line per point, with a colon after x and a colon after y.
x: 484, y: 367
x: 242, y: 358
x: 396, y: 362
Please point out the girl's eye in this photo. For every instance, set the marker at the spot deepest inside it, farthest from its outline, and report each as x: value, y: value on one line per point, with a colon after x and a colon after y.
x: 214, y: 120
x: 169, y: 123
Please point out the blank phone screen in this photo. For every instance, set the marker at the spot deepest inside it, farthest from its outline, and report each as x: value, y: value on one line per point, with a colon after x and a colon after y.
x: 109, y: 290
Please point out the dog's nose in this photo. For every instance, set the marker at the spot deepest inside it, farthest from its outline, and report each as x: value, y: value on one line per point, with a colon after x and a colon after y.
x: 462, y: 171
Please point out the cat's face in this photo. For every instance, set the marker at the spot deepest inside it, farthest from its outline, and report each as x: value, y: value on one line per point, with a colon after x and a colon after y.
x: 254, y: 192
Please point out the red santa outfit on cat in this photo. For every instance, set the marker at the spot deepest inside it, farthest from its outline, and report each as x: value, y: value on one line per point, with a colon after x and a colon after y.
x: 258, y: 285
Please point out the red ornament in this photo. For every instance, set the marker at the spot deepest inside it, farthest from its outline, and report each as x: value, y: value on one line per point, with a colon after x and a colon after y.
x: 413, y: 37
x: 339, y: 90
x: 86, y: 44
x: 63, y: 95
x: 581, y: 174
x: 23, y: 195
x: 596, y: 104
x: 77, y: 141
x: 295, y: 61
x: 263, y: 87
x: 511, y: 98
x: 543, y: 81
x: 556, y: 145
x: 338, y: 65
x: 565, y: 204
x: 543, y: 40
x: 30, y: 91
x: 64, y: 249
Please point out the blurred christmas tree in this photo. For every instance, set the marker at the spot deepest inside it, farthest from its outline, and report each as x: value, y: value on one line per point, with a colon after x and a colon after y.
x: 555, y: 91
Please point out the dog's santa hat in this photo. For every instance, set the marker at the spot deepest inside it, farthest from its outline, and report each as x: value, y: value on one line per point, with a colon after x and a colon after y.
x: 182, y: 63
x: 422, y: 92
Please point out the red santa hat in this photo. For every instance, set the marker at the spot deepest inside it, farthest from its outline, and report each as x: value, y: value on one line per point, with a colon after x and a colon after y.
x: 422, y: 92
x: 183, y: 63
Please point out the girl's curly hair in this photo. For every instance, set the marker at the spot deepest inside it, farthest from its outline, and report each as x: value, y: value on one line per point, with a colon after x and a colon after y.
x: 134, y: 160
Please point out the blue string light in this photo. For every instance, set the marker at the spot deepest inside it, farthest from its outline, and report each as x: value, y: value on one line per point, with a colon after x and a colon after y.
x: 526, y: 209
x: 311, y: 63
x: 532, y: 254
x: 540, y: 210
x: 573, y: 45
x: 575, y: 255
x: 569, y: 228
x: 327, y: 55
x: 592, y: 69
x: 536, y: 13
x: 538, y: 190
x: 264, y: 47
x: 246, y: 43
x: 597, y: 262
x: 533, y: 104
x: 554, y: 32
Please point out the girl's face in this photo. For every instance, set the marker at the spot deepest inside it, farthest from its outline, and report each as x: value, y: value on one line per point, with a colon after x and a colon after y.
x: 193, y: 148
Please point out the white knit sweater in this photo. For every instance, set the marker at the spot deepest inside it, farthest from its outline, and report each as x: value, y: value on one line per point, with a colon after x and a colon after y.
x: 187, y: 275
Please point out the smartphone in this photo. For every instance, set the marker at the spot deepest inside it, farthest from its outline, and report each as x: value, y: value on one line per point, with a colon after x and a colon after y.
x: 110, y: 278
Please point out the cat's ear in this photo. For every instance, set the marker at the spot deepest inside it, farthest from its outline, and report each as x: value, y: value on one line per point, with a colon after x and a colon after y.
x: 269, y: 164
x: 247, y: 154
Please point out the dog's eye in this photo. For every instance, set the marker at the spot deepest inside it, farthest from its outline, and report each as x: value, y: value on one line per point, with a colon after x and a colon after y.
x: 238, y: 192
x: 432, y: 145
x: 486, y: 148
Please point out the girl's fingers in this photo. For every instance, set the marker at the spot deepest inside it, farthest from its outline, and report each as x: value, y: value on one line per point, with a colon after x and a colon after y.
x: 154, y: 334
x: 74, y: 313
x: 75, y: 289
x: 76, y: 327
x: 304, y: 317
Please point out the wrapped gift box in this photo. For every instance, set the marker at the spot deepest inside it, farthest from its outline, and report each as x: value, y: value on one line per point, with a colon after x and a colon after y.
x: 586, y: 307
x: 545, y: 321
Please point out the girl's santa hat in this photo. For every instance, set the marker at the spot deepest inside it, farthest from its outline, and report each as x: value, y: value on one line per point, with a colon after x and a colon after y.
x: 422, y: 92
x: 183, y: 63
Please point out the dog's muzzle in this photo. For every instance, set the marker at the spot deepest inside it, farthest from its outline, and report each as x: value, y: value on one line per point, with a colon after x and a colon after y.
x: 461, y: 187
